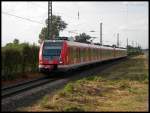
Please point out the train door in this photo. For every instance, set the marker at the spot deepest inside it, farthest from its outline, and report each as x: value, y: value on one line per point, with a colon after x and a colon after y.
x: 100, y: 54
x: 73, y: 55
x: 79, y: 55
x: 89, y: 54
x: 84, y: 54
x: 68, y: 59
x: 70, y: 55
x: 97, y: 53
x: 113, y: 52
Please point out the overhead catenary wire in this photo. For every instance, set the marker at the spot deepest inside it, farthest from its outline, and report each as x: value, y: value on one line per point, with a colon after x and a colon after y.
x: 38, y: 5
x: 28, y: 19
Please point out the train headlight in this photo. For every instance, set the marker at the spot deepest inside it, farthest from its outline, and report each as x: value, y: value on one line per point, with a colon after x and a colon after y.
x: 60, y: 60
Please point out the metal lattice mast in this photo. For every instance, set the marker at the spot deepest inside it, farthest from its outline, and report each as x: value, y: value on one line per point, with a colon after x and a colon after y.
x: 117, y: 39
x: 49, y: 19
x: 100, y: 33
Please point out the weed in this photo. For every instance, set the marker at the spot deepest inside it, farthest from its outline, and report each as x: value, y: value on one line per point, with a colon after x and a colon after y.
x: 90, y: 78
x: 44, y: 103
x: 62, y: 94
x: 124, y: 84
x: 98, y: 78
x: 82, y: 81
x: 69, y: 88
x: 132, y: 90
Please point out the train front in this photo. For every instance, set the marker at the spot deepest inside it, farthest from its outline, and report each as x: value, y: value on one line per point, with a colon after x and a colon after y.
x: 50, y: 55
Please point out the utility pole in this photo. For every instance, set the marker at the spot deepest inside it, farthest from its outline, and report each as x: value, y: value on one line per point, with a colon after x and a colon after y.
x: 117, y: 39
x: 127, y: 42
x: 100, y: 33
x: 78, y: 15
x: 49, y: 28
x: 132, y: 44
x: 135, y: 43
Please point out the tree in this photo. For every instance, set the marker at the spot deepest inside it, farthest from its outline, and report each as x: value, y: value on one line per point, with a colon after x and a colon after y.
x: 82, y: 38
x: 16, y: 41
x: 57, y: 25
x: 114, y: 45
x: 9, y: 44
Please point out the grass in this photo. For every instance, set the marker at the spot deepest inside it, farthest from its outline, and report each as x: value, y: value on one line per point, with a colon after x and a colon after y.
x: 123, y: 87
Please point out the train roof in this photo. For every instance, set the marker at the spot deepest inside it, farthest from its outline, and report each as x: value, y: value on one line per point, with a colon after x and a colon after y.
x: 91, y: 45
x: 71, y: 43
x: 86, y: 45
x: 53, y: 40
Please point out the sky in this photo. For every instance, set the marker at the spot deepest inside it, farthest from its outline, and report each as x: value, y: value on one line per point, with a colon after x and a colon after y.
x: 129, y: 19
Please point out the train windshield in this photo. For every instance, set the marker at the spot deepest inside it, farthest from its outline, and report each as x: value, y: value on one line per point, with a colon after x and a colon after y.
x: 52, y: 48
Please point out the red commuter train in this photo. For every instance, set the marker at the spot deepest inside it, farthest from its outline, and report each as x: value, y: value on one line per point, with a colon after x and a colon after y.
x: 64, y: 55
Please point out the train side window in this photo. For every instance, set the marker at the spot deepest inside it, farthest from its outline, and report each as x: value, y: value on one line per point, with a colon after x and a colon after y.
x: 103, y: 53
x: 97, y: 52
x: 94, y: 52
x: 77, y: 49
x: 69, y: 54
x: 77, y: 52
x: 81, y: 52
x: 74, y: 52
x: 89, y: 52
x: 84, y: 52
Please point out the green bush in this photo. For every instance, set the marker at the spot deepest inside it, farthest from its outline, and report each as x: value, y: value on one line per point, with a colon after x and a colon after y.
x: 132, y: 51
x: 18, y: 58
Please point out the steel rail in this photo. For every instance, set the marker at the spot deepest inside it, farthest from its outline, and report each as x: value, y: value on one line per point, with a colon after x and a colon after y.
x: 8, y: 91
x: 21, y: 83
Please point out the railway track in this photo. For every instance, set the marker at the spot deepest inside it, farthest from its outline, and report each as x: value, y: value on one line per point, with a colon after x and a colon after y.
x: 14, y: 89
x: 25, y: 95
x: 21, y: 87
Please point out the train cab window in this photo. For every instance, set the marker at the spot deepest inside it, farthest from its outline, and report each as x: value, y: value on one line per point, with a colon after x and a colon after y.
x: 52, y: 49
